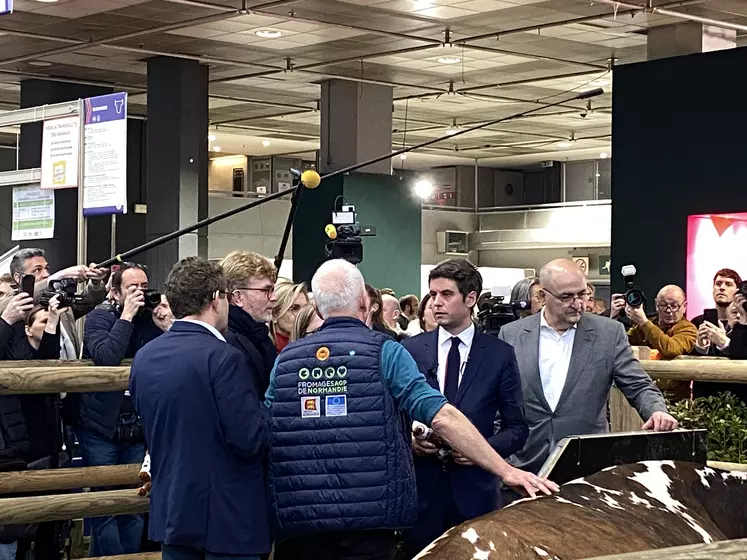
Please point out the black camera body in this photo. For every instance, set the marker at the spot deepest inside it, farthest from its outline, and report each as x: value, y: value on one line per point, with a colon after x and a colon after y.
x: 345, y: 234
x: 493, y: 313
x: 65, y: 289
x: 634, y: 297
x: 152, y: 299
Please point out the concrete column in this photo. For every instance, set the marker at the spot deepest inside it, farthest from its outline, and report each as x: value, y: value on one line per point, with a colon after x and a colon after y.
x: 688, y: 38
x: 177, y: 155
x: 356, y: 125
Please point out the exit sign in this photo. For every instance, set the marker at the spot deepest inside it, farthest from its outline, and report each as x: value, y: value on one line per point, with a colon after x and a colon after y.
x: 6, y: 7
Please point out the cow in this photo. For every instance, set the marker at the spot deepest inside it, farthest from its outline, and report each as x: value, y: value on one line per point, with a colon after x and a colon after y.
x: 627, y: 508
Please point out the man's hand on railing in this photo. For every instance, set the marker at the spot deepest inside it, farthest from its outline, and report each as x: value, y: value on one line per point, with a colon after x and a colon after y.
x: 661, y: 422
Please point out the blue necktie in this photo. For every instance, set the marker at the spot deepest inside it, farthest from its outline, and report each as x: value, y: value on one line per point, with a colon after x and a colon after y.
x: 453, y: 361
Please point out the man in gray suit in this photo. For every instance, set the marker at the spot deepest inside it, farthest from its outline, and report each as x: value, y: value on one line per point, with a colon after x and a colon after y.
x: 568, y: 360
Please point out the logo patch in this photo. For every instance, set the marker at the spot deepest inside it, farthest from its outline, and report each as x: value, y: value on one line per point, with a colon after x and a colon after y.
x: 310, y: 407
x: 322, y: 354
x: 336, y: 405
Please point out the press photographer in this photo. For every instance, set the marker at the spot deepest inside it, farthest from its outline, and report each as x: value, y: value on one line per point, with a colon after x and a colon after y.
x: 109, y: 430
x: 34, y: 262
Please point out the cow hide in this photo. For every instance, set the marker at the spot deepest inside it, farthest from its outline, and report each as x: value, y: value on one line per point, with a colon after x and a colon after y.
x: 628, y: 508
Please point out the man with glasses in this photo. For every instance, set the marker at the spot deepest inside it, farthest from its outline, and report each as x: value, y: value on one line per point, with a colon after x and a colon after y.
x: 568, y: 361
x: 669, y: 332
x: 109, y: 429
x: 251, y: 286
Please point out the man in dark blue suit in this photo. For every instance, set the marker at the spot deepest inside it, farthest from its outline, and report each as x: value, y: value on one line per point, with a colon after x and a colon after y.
x: 478, y: 374
x: 206, y: 430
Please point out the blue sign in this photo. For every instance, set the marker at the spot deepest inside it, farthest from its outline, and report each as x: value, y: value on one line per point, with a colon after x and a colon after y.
x: 6, y: 7
x: 105, y: 170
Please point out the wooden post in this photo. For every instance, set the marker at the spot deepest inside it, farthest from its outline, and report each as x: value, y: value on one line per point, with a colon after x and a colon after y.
x: 623, y: 417
x: 62, y: 379
x: 22, y: 482
x: 35, y: 509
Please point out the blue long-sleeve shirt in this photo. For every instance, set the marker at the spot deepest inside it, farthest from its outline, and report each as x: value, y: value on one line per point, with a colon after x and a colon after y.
x: 401, y: 376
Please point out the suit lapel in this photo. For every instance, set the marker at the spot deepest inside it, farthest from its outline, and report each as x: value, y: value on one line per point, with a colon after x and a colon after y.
x: 528, y: 356
x: 474, y: 359
x: 431, y: 353
x: 582, y: 345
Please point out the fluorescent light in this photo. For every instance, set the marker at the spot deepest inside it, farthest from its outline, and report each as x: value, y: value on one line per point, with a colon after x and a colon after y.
x: 403, y: 157
x: 211, y: 138
x: 40, y: 63
x: 47, y: 1
x: 452, y: 130
x: 216, y: 148
x: 565, y: 144
x: 449, y: 60
x: 604, y: 155
x: 268, y: 33
x: 600, y: 83
x: 423, y: 188
x: 265, y: 143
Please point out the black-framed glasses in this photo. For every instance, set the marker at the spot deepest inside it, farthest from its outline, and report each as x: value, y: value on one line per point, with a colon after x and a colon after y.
x: 267, y: 290
x: 671, y: 307
x: 569, y: 298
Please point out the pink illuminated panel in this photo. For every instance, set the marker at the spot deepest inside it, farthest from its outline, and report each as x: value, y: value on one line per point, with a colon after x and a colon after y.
x: 714, y: 241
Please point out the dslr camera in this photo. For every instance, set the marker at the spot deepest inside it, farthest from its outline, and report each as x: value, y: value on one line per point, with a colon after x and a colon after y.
x: 65, y: 289
x: 345, y: 234
x: 634, y: 297
x: 742, y: 289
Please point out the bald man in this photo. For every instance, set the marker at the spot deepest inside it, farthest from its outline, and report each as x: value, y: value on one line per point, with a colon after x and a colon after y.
x: 669, y: 332
x: 391, y: 311
x: 568, y: 360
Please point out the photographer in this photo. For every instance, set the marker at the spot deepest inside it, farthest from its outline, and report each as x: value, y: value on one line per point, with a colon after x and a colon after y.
x: 714, y: 325
x: 669, y: 333
x: 34, y: 262
x: 109, y: 429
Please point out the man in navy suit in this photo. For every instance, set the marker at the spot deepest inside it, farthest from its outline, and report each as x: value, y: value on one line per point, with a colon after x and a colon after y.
x: 206, y: 430
x: 478, y: 374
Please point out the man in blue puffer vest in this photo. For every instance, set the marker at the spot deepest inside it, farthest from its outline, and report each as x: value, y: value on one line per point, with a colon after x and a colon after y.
x: 340, y: 466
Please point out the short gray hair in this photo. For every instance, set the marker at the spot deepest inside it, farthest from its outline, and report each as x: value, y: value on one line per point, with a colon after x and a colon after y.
x: 338, y: 286
x: 18, y: 260
x: 522, y: 290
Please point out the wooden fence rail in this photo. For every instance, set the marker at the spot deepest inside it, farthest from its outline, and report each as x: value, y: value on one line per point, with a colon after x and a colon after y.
x: 35, y: 509
x: 731, y: 550
x: 21, y: 482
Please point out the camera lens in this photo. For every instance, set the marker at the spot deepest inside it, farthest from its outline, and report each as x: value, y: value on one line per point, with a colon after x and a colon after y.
x: 634, y: 298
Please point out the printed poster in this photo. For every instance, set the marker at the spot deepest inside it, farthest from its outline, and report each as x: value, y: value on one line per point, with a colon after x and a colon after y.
x: 60, y: 145
x: 105, y: 173
x: 33, y: 213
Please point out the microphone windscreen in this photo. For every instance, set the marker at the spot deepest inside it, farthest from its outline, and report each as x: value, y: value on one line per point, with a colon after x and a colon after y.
x: 331, y: 231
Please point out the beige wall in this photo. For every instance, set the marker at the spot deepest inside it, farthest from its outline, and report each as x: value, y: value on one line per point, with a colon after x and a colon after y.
x: 220, y: 172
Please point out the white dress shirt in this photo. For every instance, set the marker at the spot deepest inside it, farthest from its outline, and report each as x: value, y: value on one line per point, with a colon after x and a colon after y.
x: 211, y: 328
x: 444, y: 345
x: 554, y: 358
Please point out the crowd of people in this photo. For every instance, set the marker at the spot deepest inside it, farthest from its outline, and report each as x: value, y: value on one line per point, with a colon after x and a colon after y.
x: 317, y: 420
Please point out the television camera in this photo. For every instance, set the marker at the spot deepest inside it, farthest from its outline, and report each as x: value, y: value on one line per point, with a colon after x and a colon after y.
x: 493, y: 313
x: 345, y: 234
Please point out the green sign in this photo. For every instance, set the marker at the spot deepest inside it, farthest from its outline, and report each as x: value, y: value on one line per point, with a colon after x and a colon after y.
x: 604, y: 265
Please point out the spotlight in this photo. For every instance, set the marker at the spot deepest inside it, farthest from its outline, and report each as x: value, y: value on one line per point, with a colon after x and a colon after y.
x: 423, y: 188
x: 266, y: 143
x: 268, y: 33
x: 449, y: 60
x: 604, y: 155
x: 565, y: 143
x: 211, y: 138
x: 403, y: 157
x: 216, y: 148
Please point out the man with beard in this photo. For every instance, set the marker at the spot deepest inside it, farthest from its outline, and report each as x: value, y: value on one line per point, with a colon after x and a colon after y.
x: 251, y: 285
x: 713, y: 339
x: 568, y: 360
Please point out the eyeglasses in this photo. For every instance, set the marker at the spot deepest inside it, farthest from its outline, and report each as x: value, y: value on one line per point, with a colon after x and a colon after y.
x: 671, y: 307
x: 569, y: 298
x: 220, y: 294
x: 267, y: 290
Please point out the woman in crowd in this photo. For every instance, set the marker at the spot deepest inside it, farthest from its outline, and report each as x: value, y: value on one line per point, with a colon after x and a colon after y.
x: 307, y: 322
x: 528, y: 290
x: 291, y: 298
x: 375, y: 318
x: 425, y: 322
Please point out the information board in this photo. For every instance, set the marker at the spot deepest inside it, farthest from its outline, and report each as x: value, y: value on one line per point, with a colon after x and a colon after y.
x: 60, y: 149
x: 33, y: 213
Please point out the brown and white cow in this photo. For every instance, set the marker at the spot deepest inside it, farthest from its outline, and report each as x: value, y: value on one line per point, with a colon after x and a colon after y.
x: 642, y: 506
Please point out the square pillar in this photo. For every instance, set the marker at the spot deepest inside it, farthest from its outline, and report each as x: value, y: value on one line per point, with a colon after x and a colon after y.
x: 688, y: 38
x: 356, y: 125
x: 177, y: 156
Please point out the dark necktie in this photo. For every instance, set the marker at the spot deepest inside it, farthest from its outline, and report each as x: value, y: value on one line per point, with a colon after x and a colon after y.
x: 453, y: 361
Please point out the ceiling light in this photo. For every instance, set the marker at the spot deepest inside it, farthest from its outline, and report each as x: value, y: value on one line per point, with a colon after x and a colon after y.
x: 46, y: 1
x: 268, y: 33
x: 211, y: 138
x: 423, y: 188
x: 40, y: 63
x: 449, y: 60
x: 403, y: 157
x: 604, y: 155
x: 216, y: 148
x: 265, y: 143
x: 600, y: 83
x: 565, y: 144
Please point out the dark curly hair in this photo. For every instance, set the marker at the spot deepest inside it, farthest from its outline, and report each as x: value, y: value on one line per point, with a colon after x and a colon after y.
x: 192, y: 284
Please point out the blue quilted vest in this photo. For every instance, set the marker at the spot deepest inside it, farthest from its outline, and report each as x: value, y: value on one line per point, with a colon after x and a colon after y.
x: 340, y: 458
